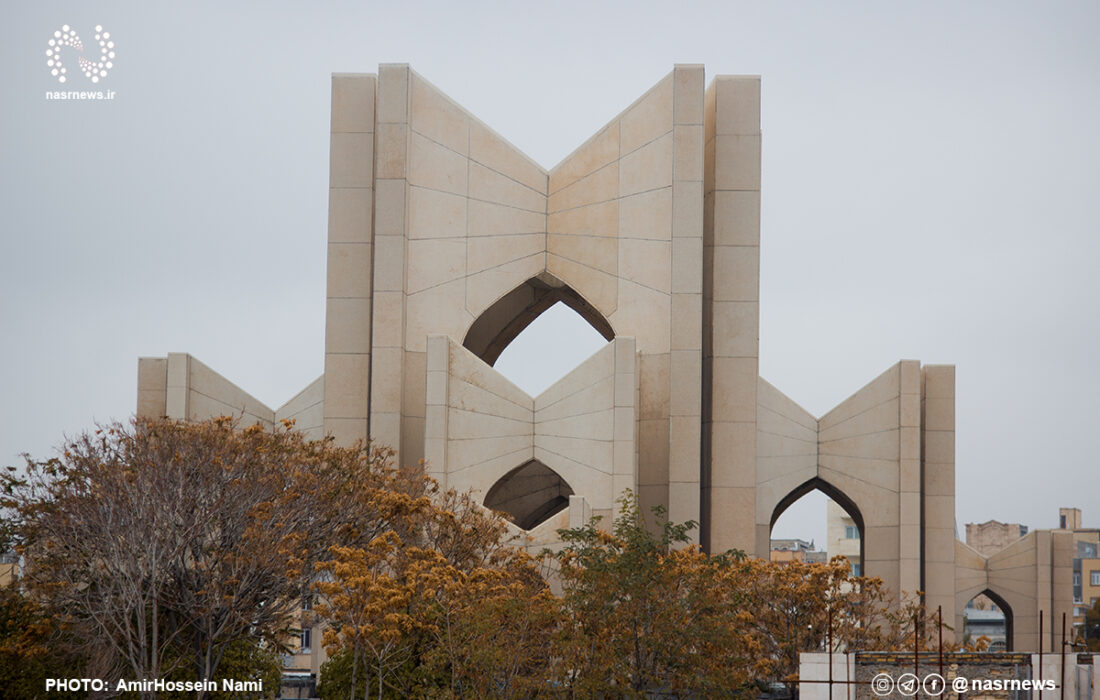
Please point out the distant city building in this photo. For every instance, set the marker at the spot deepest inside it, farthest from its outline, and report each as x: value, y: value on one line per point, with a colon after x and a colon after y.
x: 993, y: 535
x: 796, y: 550
x: 1086, y: 580
x: 1061, y: 565
x: 985, y: 623
x: 1086, y: 563
x: 844, y: 537
x: 1069, y: 519
x: 9, y: 567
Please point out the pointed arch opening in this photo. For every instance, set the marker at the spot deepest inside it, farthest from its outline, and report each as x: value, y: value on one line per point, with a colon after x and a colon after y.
x: 843, y: 526
x: 530, y: 494
x: 498, y: 325
x: 988, y: 614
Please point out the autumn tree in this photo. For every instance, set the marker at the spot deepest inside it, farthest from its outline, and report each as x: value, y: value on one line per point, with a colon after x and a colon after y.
x: 172, y: 549
x: 791, y: 606
x: 165, y: 543
x: 33, y: 647
x: 488, y: 630
x: 645, y: 614
x: 447, y: 608
x: 799, y: 606
x: 367, y: 609
x: 99, y: 550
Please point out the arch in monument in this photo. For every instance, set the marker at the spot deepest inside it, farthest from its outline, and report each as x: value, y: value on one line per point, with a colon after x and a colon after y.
x: 509, y: 315
x: 530, y: 494
x: 1006, y: 609
x: 841, y: 499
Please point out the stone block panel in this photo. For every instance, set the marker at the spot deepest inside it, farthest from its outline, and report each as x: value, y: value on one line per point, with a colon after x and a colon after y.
x: 648, y: 168
x: 600, y: 219
x: 436, y: 167
x: 152, y: 387
x: 205, y: 382
x: 647, y: 119
x: 349, y: 215
x: 393, y: 150
x: 736, y: 218
x: 600, y: 150
x: 436, y: 117
x: 688, y: 89
x: 493, y: 151
x: 351, y: 160
x: 353, y: 102
x: 348, y: 325
x: 882, y: 388
x: 646, y: 215
x: 737, y: 104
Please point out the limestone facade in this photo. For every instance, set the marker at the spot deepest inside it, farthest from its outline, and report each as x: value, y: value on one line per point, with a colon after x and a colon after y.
x: 993, y: 535
x: 445, y: 242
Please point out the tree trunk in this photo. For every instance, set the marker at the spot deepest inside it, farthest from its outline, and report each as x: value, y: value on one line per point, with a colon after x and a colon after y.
x: 354, y: 668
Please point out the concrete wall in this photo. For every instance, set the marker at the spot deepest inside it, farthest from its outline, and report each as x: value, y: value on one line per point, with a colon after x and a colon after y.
x: 462, y: 219
x: 307, y: 410
x: 193, y: 391
x: 786, y: 454
x: 349, y: 288
x: 888, y: 453
x: 480, y: 426
x: 1032, y: 576
x: 152, y: 395
x: 625, y: 230
x: 937, y: 451
x: 651, y: 230
x: 179, y: 386
x: 731, y: 312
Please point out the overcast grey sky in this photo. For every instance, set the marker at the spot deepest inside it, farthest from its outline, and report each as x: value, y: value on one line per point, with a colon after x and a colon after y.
x: 931, y: 190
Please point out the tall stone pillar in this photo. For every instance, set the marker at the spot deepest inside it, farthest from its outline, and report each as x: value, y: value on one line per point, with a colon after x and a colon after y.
x: 731, y: 312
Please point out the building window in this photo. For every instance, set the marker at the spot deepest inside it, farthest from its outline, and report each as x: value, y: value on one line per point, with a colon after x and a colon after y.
x: 1076, y: 578
x: 1061, y: 522
x: 856, y: 570
x: 306, y: 641
x: 851, y: 532
x: 1094, y: 578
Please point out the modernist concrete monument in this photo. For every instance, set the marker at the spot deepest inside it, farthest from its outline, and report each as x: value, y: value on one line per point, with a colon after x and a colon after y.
x: 445, y: 242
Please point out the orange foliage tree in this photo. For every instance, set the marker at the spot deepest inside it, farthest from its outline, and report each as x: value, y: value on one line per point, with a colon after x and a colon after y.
x: 162, y: 544
x: 643, y: 614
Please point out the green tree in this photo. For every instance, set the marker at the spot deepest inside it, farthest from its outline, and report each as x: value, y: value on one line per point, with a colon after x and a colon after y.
x: 1090, y: 630
x: 336, y: 680
x: 33, y: 648
x: 647, y: 614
